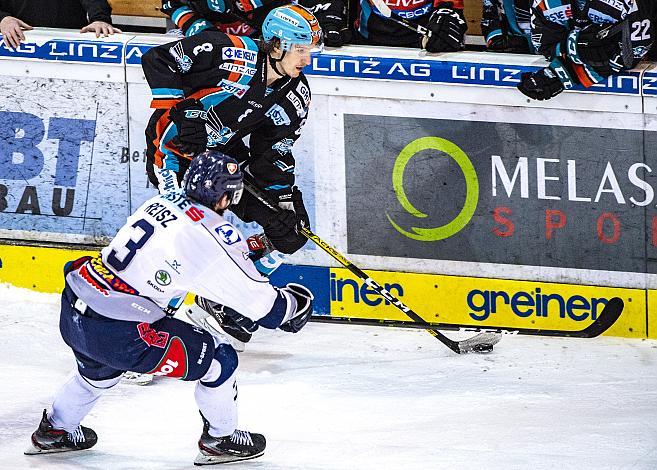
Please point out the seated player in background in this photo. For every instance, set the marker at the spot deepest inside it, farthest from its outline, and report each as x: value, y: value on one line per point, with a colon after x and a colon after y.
x: 444, y: 19
x: 245, y: 17
x: 505, y: 25
x: 86, y: 15
x: 585, y: 43
x: 113, y: 312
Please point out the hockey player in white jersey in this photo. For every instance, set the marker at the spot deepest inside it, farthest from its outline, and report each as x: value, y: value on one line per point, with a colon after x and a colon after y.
x: 113, y: 312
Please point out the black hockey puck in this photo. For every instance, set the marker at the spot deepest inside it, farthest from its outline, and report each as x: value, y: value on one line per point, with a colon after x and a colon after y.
x: 483, y: 348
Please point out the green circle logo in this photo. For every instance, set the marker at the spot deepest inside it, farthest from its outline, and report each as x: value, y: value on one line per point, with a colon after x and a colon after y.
x: 162, y: 278
x: 471, y: 183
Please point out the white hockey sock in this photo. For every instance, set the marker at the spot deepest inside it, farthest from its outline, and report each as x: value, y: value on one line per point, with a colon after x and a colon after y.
x: 218, y: 404
x: 75, y: 399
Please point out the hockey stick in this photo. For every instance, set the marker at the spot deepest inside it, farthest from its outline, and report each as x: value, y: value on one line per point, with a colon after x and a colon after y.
x: 605, y: 320
x: 385, y: 11
x: 627, y: 51
x: 480, y: 343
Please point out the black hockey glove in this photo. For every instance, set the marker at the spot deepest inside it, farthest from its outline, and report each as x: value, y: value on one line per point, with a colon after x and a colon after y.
x: 448, y: 29
x: 334, y: 34
x: 304, y: 309
x: 189, y: 117
x: 508, y: 43
x: 282, y: 227
x: 602, y: 54
x: 541, y: 85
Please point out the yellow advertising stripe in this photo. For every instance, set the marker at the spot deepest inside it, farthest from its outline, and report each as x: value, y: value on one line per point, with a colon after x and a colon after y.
x: 36, y: 268
x: 487, y: 302
x: 39, y: 268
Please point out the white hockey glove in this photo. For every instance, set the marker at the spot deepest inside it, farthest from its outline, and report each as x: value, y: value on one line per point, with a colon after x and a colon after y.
x: 301, y: 310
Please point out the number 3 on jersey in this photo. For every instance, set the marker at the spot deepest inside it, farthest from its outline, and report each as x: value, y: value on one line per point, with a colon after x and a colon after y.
x: 146, y: 230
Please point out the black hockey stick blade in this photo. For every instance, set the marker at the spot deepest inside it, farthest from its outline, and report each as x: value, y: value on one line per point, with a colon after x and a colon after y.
x: 605, y: 320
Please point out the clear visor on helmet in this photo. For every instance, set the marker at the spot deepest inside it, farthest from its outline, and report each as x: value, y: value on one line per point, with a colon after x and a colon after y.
x: 304, y: 49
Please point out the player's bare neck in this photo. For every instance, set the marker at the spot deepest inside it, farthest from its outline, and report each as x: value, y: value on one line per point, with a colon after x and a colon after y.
x: 272, y: 74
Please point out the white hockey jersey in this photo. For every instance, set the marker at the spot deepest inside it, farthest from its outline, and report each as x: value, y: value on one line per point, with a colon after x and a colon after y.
x: 168, y: 247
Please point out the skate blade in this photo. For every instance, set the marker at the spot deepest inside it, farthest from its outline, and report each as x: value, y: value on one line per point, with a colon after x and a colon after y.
x: 138, y: 379
x: 34, y: 450
x: 201, y: 319
x: 210, y: 459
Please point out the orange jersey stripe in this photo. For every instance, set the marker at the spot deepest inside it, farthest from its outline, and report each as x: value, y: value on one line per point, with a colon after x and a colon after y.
x: 582, y: 75
x: 164, y: 103
x: 184, y: 18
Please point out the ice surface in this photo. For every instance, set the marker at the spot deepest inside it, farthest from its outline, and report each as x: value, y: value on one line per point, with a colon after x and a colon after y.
x: 347, y: 397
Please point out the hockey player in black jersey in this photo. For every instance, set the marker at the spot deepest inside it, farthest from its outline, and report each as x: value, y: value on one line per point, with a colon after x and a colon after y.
x: 210, y: 90
x: 586, y: 41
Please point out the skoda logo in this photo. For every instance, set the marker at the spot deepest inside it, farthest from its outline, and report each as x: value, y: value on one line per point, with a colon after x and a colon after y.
x: 162, y: 278
x: 471, y: 182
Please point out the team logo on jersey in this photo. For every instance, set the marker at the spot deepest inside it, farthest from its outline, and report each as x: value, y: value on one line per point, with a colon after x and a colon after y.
x: 283, y: 147
x: 228, y: 234
x: 241, y: 69
x: 233, y: 88
x: 218, y: 134
x: 278, y: 115
x: 232, y: 168
x: 217, y: 5
x: 235, y: 53
x: 183, y: 61
x: 198, y: 26
x: 304, y: 92
x: 163, y: 278
x: 296, y: 102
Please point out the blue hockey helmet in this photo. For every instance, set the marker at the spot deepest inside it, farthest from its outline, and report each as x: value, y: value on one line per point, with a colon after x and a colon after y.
x: 210, y: 175
x: 293, y: 24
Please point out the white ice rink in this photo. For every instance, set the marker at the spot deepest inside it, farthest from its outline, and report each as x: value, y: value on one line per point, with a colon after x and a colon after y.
x: 346, y: 397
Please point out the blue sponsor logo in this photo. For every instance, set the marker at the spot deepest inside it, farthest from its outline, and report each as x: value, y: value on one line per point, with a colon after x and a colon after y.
x: 278, y: 115
x: 235, y: 53
x: 352, y: 290
x: 649, y: 84
x: 228, y: 234
x: 72, y: 51
x: 435, y: 71
x: 134, y: 53
x: 484, y: 303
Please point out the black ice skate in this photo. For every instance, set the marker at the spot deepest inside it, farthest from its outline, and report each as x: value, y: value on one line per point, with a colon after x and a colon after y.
x: 241, y: 445
x: 46, y: 439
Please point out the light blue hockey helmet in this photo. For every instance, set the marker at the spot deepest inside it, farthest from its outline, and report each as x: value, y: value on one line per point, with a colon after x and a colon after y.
x: 293, y: 24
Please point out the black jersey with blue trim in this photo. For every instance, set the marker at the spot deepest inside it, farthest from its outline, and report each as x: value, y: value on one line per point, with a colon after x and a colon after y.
x: 228, y: 74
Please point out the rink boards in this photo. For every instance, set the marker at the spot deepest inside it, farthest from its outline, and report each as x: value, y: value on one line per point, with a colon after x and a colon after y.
x: 458, y: 300
x: 430, y: 168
